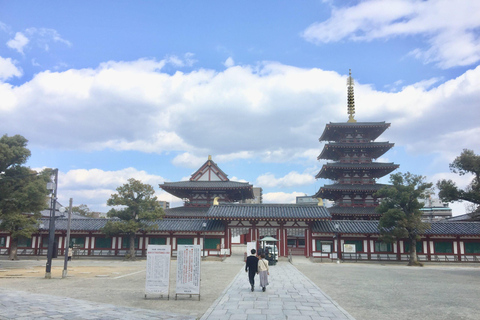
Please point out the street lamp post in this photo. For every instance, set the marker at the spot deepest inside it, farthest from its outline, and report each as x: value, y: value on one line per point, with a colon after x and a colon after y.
x: 51, y: 234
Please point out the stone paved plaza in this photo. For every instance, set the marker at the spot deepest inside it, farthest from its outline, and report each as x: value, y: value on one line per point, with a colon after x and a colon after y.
x: 290, y: 295
x: 114, y: 289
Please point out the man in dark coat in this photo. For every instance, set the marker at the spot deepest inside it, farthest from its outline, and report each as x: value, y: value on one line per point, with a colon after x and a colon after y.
x: 252, y: 267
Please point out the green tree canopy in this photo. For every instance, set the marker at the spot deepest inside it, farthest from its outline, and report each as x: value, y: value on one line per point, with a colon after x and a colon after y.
x: 400, y: 209
x: 85, y: 211
x: 135, y: 205
x: 23, y: 192
x: 467, y: 163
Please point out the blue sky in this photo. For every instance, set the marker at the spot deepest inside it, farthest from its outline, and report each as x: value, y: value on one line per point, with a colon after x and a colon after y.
x: 109, y: 90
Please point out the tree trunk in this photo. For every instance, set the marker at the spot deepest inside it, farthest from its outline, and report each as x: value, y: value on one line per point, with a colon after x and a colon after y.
x: 413, y: 254
x: 12, y: 253
x: 131, y: 251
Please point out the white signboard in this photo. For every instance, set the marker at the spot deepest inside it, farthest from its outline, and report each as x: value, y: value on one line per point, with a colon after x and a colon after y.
x: 326, y: 248
x: 349, y: 248
x: 250, y: 246
x: 188, y: 269
x: 158, y: 269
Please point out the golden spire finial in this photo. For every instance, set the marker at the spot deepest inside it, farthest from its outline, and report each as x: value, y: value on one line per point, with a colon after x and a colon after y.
x: 350, y: 98
x: 209, y: 157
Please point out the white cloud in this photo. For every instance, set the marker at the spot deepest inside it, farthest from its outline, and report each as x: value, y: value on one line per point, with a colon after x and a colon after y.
x: 449, y: 26
x: 94, y: 187
x: 188, y: 160
x: 18, y: 43
x: 292, y: 179
x: 281, y: 197
x: 272, y: 112
x: 8, y: 69
x: 229, y: 62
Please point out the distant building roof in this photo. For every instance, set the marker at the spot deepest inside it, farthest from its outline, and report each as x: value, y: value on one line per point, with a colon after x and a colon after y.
x: 268, y: 211
x: 371, y: 227
x: 91, y: 224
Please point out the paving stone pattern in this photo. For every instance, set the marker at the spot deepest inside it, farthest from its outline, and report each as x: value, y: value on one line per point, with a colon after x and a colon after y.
x: 290, y: 295
x: 21, y: 305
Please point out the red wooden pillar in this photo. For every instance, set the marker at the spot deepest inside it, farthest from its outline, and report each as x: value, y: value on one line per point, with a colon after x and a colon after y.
x: 282, y: 240
x: 429, y: 257
x: 399, y: 256
x: 369, y: 253
x: 459, y: 252
x: 339, y: 246
x: 90, y: 243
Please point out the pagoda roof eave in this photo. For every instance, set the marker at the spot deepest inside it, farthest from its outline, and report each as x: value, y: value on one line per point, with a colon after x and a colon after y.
x: 376, y: 169
x: 332, y: 128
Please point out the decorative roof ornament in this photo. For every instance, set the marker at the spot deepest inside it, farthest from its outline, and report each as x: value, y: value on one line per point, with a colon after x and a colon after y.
x: 350, y: 98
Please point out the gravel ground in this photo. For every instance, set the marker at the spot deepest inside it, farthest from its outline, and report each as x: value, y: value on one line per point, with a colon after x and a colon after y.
x: 117, y: 282
x: 368, y: 291
x: 395, y: 291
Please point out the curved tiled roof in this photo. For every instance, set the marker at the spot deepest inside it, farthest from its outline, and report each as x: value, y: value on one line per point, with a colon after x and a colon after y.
x: 268, y: 211
x: 333, y: 130
x: 346, y: 226
x: 235, y: 190
x: 206, y: 185
x: 377, y: 169
x: 336, y: 210
x: 163, y: 225
x: 335, y: 150
x: 371, y: 227
x: 333, y: 191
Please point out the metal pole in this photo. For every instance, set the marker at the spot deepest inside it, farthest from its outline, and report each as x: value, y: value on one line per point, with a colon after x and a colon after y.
x: 51, y: 235
x: 67, y: 245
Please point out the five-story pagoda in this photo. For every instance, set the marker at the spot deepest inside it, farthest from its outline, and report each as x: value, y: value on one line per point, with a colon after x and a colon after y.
x: 352, y: 148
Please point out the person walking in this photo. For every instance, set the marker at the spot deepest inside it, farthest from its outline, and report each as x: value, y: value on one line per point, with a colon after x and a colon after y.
x: 251, y: 266
x: 263, y: 272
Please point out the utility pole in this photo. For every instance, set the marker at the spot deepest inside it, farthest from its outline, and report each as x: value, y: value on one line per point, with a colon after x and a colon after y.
x: 51, y: 235
x: 67, y: 244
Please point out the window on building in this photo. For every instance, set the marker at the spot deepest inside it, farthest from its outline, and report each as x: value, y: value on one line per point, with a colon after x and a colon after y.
x: 45, y: 242
x: 383, y: 246
x: 358, y: 244
x: 126, y: 243
x: 184, y: 241
x: 77, y: 242
x: 419, y: 246
x: 103, y: 243
x: 301, y: 243
x: 324, y: 246
x: 443, y: 246
x: 212, y: 243
x: 3, y: 241
x: 472, y: 247
x: 157, y: 240
x: 24, y: 242
x: 292, y: 242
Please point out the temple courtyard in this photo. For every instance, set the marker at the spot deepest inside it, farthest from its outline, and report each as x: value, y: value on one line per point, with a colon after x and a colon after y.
x: 298, y: 290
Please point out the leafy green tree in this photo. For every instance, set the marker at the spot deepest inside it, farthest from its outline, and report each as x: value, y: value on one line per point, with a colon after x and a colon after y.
x: 136, y: 207
x: 85, y: 211
x: 23, y: 192
x: 400, y: 209
x: 467, y: 163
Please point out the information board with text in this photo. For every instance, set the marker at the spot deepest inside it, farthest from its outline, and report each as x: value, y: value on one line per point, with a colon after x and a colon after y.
x: 188, y: 269
x: 158, y: 269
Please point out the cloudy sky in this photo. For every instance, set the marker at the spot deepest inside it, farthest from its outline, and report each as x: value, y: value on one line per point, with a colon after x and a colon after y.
x: 110, y: 90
